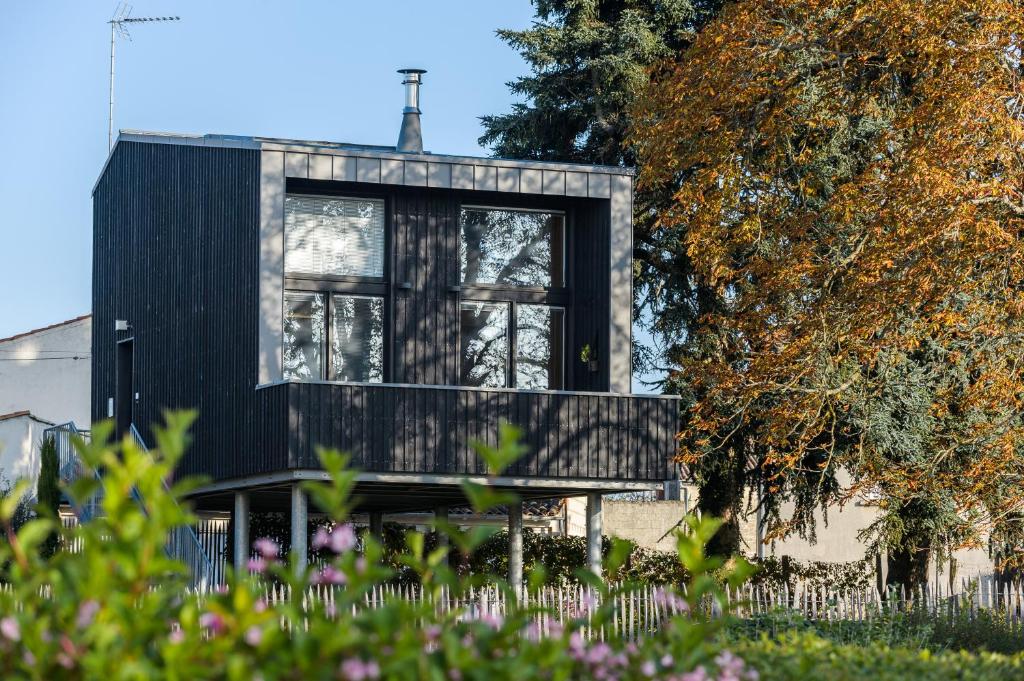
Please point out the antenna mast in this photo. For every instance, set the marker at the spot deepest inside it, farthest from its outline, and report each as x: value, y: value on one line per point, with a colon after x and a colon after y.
x: 118, y: 27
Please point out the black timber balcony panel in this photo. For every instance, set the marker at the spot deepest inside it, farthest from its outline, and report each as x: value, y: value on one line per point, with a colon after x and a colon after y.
x: 428, y: 429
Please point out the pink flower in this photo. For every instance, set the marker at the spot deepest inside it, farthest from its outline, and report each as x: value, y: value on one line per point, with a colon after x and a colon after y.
x: 454, y: 674
x: 257, y: 565
x: 666, y: 660
x: 361, y: 565
x: 339, y: 540
x: 330, y: 575
x: 698, y: 674
x: 177, y: 636
x: 86, y: 613
x: 648, y: 668
x: 266, y: 547
x: 253, y: 636
x: 28, y: 658
x: 489, y: 619
x: 670, y: 600
x: 432, y: 633
x: 599, y: 653
x: 212, y: 621
x: 10, y: 629
x: 354, y: 669
x: 733, y: 668
x: 260, y: 605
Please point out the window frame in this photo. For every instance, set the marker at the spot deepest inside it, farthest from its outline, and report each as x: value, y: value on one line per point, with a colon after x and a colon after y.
x: 556, y: 297
x: 329, y: 285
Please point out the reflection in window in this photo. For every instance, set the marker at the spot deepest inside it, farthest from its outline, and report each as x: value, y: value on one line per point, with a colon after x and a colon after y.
x: 357, y: 339
x: 334, y: 236
x: 303, y: 336
x: 483, y: 331
x: 539, y: 347
x: 511, y: 248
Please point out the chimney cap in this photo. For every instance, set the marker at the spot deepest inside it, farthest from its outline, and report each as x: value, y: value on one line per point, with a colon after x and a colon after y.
x: 412, y: 70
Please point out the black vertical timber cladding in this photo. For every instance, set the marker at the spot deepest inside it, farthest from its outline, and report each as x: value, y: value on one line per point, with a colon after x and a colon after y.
x: 175, y: 253
x: 425, y: 263
x: 616, y: 438
x: 591, y: 311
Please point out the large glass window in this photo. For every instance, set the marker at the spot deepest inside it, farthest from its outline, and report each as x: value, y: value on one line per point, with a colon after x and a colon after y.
x: 512, y: 316
x: 357, y: 339
x: 354, y: 336
x: 517, y: 248
x: 338, y: 236
x: 539, y: 347
x: 303, y: 335
x: 334, y: 288
x: 484, y: 338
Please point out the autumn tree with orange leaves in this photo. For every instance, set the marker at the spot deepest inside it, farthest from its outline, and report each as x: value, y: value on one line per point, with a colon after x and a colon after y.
x: 848, y: 181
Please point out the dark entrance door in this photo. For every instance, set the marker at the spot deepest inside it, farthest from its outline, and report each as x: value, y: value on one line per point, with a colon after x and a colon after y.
x: 125, y: 396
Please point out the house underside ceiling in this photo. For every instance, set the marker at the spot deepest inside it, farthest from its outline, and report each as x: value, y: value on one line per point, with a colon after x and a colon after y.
x: 375, y: 496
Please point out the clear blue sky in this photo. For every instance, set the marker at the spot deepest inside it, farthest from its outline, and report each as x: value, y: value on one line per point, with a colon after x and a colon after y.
x: 308, y: 70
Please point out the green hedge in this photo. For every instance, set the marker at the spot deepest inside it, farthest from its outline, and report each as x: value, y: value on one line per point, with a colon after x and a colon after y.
x: 806, y: 656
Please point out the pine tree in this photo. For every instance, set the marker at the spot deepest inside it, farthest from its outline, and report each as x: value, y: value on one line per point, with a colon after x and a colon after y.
x: 589, y: 61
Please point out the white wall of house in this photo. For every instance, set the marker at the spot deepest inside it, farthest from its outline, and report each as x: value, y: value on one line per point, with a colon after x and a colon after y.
x: 44, y: 379
x: 20, y: 437
x: 39, y: 372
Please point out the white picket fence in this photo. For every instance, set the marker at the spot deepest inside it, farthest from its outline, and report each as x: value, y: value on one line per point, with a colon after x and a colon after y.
x: 638, y: 611
x: 635, y: 611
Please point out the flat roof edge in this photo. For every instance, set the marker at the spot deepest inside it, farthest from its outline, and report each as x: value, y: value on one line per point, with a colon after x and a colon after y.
x: 346, y: 149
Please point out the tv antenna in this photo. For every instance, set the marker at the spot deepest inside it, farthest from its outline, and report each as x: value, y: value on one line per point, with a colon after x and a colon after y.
x: 119, y: 27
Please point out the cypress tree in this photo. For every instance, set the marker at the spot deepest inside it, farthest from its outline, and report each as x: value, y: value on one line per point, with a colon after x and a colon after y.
x: 48, y: 490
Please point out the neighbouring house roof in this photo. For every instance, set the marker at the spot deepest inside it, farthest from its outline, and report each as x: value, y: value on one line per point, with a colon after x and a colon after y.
x: 24, y: 413
x: 539, y: 508
x: 44, y: 328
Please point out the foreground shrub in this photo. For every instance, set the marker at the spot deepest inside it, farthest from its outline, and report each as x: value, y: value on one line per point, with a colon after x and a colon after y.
x: 119, y: 607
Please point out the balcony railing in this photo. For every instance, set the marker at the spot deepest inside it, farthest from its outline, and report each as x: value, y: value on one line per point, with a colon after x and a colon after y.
x: 429, y: 429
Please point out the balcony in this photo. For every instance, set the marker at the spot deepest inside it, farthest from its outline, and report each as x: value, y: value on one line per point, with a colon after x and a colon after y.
x: 427, y: 430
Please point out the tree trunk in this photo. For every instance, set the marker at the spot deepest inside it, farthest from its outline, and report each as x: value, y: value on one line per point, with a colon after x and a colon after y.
x: 721, y: 495
x: 908, y: 562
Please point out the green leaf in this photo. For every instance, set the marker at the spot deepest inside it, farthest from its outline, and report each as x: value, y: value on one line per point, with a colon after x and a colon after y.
x: 484, y: 498
x: 9, y: 504
x: 34, y: 532
x: 508, y: 451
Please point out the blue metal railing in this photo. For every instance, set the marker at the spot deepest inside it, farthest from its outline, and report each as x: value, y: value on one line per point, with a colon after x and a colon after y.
x: 70, y: 466
x: 182, y: 542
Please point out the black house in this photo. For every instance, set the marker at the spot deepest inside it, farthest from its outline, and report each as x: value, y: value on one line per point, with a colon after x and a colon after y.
x: 394, y: 303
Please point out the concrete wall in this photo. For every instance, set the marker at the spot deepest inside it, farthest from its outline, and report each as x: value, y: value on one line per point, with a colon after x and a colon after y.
x: 838, y: 541
x: 20, y: 437
x: 39, y: 374
x: 649, y: 524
